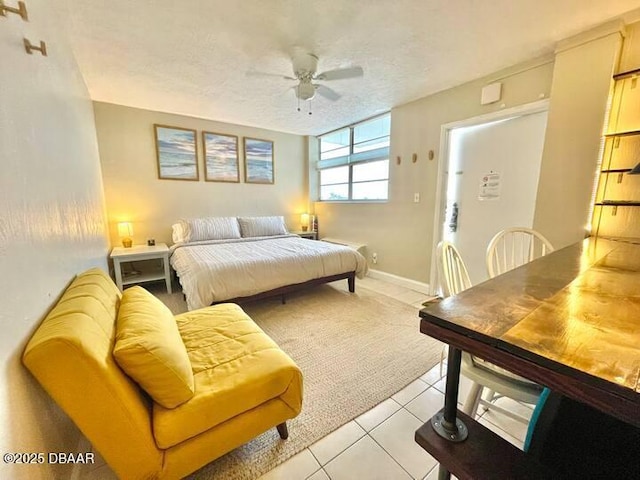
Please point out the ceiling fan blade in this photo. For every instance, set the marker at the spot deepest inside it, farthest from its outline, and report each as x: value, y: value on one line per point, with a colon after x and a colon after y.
x: 255, y: 73
x: 340, y: 74
x: 327, y: 93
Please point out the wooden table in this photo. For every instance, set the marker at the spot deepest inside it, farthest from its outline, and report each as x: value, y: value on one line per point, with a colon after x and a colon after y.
x: 569, y: 321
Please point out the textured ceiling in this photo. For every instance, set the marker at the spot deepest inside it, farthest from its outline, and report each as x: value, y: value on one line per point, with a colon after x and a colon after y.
x: 192, y: 57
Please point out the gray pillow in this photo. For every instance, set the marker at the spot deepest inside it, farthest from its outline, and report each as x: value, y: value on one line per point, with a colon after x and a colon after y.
x: 262, y: 226
x: 211, y: 228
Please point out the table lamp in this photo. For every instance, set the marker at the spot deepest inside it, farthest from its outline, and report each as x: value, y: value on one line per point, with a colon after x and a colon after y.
x: 304, y: 220
x: 125, y: 231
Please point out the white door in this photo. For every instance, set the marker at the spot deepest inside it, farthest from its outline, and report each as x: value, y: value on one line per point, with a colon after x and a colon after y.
x: 493, y: 181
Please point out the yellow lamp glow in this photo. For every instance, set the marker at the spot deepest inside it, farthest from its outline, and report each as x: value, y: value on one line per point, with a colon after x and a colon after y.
x: 304, y: 220
x: 125, y: 231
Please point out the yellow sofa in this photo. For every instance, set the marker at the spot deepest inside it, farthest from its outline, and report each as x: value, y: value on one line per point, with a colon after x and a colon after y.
x: 244, y: 384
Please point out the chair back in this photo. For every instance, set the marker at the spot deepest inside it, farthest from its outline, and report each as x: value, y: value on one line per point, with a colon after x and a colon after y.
x: 514, y: 247
x: 71, y: 355
x: 454, y: 277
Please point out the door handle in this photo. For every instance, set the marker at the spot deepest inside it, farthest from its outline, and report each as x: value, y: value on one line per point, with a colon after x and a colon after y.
x: 453, y: 224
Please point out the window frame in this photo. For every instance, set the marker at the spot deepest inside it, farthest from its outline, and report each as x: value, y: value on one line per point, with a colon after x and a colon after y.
x: 352, y: 146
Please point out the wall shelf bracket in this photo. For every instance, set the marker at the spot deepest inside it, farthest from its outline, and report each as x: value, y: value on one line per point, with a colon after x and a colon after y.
x: 20, y: 10
x: 30, y: 48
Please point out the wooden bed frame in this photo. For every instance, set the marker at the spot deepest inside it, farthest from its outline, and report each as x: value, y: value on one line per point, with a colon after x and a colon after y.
x: 282, y: 291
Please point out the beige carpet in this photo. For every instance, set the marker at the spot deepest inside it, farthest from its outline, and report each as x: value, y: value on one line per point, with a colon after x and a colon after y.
x: 355, y: 350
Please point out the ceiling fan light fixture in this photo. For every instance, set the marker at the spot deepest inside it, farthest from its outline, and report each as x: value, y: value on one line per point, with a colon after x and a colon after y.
x: 305, y: 66
x: 306, y: 91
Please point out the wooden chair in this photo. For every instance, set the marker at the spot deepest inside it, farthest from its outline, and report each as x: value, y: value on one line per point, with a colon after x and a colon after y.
x: 513, y: 247
x: 499, y: 382
x: 454, y: 277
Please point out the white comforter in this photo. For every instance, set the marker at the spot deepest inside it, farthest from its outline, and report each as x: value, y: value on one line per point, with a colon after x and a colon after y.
x: 218, y: 270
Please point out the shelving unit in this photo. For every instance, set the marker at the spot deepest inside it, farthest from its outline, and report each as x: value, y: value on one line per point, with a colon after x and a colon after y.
x: 619, y: 203
x: 616, y: 213
x: 141, y: 253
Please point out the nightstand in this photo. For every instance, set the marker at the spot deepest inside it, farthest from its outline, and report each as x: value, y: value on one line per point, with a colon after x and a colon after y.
x: 308, y: 234
x: 137, y: 253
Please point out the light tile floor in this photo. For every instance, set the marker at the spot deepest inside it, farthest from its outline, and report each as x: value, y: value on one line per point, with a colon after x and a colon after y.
x: 379, y: 444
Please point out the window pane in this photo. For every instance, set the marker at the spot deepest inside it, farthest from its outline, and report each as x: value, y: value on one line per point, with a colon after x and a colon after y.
x: 334, y: 175
x: 371, y: 145
x: 334, y: 192
x: 371, y: 190
x: 334, y: 140
x: 371, y: 171
x: 338, y: 152
x: 378, y: 127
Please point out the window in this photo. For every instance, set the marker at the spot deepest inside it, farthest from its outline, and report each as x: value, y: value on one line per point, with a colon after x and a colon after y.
x: 354, y: 162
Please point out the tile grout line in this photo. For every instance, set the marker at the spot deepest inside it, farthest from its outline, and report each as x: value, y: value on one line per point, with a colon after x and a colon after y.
x: 415, y: 416
x: 315, y: 458
x: 412, y: 398
x: 325, y: 472
x: 389, y: 453
x: 341, y: 451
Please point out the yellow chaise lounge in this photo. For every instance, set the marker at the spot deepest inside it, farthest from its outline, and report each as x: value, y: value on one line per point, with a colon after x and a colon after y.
x: 181, y: 412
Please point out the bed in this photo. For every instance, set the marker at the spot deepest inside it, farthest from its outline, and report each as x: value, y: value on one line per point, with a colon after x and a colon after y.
x: 238, y: 259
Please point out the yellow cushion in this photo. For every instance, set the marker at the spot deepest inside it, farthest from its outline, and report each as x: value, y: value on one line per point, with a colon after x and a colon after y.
x: 71, y: 356
x: 149, y: 348
x: 236, y: 368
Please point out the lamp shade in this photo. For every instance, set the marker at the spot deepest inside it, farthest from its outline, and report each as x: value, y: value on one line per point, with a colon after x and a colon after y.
x: 635, y: 170
x: 304, y: 221
x: 125, y: 231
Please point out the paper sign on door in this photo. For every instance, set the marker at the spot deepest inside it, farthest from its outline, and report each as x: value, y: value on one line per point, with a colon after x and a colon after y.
x: 490, y: 184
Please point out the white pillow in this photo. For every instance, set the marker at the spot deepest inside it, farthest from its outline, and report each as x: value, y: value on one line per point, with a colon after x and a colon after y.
x: 262, y: 226
x: 178, y: 232
x: 211, y: 228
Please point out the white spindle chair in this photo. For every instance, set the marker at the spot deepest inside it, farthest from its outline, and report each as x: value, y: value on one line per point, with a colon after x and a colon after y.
x: 454, y: 278
x: 513, y: 247
x: 453, y: 272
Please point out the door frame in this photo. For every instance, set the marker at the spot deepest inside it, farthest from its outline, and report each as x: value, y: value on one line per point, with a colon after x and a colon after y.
x: 443, y: 167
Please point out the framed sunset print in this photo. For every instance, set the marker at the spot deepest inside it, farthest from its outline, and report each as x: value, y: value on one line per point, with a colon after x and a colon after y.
x: 258, y: 161
x: 220, y: 157
x: 176, y: 153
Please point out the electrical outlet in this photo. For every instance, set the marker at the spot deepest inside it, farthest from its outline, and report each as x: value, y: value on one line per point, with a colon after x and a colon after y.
x: 374, y: 258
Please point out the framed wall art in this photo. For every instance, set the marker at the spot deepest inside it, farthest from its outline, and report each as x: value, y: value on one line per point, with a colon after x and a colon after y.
x: 258, y: 161
x: 220, y: 157
x: 176, y: 153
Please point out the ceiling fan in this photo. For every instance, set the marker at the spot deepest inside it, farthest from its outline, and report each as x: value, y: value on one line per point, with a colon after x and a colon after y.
x: 305, y: 66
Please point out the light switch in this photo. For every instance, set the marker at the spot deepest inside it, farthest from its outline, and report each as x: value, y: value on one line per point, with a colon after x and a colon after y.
x: 416, y: 198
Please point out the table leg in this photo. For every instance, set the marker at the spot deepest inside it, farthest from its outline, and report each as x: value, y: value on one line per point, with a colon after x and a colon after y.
x: 167, y: 273
x: 443, y: 473
x: 117, y: 268
x: 445, y: 422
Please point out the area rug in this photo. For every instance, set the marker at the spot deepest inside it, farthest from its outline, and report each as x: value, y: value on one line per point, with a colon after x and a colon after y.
x: 355, y: 350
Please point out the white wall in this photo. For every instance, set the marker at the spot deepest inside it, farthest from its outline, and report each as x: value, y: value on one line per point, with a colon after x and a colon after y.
x: 52, y: 222
x: 577, y: 80
x: 582, y: 82
x: 401, y: 231
x: 134, y: 192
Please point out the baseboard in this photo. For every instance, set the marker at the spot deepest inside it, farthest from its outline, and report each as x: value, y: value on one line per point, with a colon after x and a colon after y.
x: 402, y: 281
